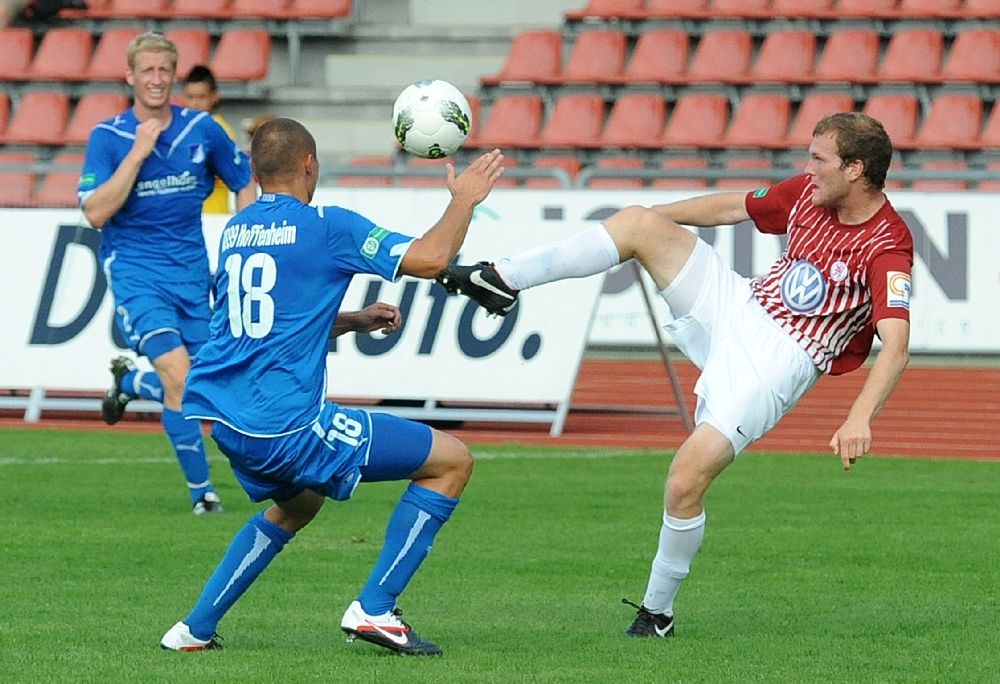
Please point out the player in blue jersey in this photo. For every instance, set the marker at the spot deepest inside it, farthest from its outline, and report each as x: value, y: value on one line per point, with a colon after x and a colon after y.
x: 146, y: 174
x: 284, y: 267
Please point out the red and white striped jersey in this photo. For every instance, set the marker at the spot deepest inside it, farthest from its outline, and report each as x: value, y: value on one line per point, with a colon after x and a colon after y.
x: 834, y: 281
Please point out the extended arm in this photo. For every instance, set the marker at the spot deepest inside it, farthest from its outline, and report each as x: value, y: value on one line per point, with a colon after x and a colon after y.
x: 374, y: 317
x: 106, y: 200
x: 853, y: 439
x: 719, y: 209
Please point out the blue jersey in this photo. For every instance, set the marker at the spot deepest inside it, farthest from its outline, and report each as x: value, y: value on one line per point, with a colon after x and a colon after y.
x: 158, y: 228
x: 284, y: 268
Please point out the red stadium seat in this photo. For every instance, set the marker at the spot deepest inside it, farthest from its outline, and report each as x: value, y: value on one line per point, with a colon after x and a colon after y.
x: 575, y: 120
x: 534, y: 56
x: 17, y: 47
x: 359, y: 177
x: 989, y: 139
x: 899, y: 114
x: 321, y: 9
x: 4, y: 112
x: 637, y: 120
x: 597, y: 56
x: 62, y: 55
x: 741, y: 183
x: 740, y: 9
x: 952, y: 123
x: 913, y: 56
x: 814, y: 106
x: 659, y: 56
x: 18, y: 184
x: 194, y: 46
x: 974, y: 57
x: 39, y: 119
x: 941, y: 184
x: 867, y: 9
x: 761, y: 120
x: 261, y: 9
x: 109, y: 62
x: 129, y: 9
x: 618, y: 162
x: 931, y: 9
x: 674, y: 176
x: 607, y: 9
x: 91, y: 110
x: 699, y: 120
x: 722, y: 56
x: 677, y: 9
x: 981, y: 9
x: 808, y: 9
x: 571, y: 164
x: 242, y: 55
x: 849, y: 55
x: 513, y: 121
x: 58, y: 189
x: 207, y: 9
x: 787, y: 56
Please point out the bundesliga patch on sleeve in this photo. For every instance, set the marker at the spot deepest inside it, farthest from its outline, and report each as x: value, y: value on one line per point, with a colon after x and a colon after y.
x: 372, y: 243
x: 898, y: 289
x: 760, y: 192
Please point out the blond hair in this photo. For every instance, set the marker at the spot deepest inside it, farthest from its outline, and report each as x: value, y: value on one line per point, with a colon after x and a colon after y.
x: 151, y: 41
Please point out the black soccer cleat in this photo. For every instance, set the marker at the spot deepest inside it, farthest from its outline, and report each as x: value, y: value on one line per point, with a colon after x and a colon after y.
x: 387, y: 630
x: 482, y: 284
x: 114, y: 402
x: 649, y: 624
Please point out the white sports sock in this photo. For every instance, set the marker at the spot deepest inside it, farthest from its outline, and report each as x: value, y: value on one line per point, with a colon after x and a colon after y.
x: 679, y: 542
x: 582, y: 254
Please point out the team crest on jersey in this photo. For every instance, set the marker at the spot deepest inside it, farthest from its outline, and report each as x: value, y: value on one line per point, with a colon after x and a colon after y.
x: 803, y: 287
x: 197, y: 153
x: 372, y: 243
x: 897, y: 289
x: 839, y: 272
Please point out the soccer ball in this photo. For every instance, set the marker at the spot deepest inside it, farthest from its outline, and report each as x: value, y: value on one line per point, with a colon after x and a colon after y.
x: 431, y: 119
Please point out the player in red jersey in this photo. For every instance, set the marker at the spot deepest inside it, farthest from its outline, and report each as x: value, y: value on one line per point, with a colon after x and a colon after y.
x: 760, y: 343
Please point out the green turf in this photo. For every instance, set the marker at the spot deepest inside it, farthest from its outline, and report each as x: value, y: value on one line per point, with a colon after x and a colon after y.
x: 807, y: 574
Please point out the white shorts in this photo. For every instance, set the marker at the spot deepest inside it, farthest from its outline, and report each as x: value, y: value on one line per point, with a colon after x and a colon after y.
x: 753, y: 373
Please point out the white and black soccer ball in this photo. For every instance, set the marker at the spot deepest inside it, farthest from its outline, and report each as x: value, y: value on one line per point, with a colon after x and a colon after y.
x: 431, y: 119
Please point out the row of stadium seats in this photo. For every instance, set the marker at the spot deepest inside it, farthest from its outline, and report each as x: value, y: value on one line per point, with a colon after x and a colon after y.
x: 72, y: 54
x: 760, y: 119
x: 52, y: 185
x: 797, y: 56
x: 215, y: 9
x: 765, y: 9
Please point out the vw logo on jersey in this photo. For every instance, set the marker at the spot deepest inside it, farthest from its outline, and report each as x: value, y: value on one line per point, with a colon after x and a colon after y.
x: 803, y: 287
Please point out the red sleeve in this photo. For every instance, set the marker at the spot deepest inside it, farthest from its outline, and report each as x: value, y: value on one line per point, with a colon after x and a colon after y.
x: 770, y: 207
x: 889, y: 283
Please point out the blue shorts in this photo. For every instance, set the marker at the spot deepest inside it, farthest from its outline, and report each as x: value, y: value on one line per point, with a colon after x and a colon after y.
x: 340, y: 449
x: 146, y: 306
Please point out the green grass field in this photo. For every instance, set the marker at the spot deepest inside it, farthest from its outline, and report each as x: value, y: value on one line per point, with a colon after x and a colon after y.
x: 888, y: 574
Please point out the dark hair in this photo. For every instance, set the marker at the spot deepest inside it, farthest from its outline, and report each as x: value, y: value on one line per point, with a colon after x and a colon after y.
x: 201, y: 74
x: 860, y: 138
x: 277, y: 149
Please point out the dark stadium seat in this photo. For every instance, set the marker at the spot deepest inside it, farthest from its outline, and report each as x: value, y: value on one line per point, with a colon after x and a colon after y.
x: 242, y: 55
x: 699, y: 120
x: 618, y: 162
x: 722, y: 56
x: 91, y: 110
x: 575, y: 121
x: 194, y: 46
x: 17, y: 47
x: 569, y: 163
x: 761, y: 120
x: 912, y: 56
x: 677, y: 9
x: 785, y: 56
x: 850, y: 55
x: 534, y: 56
x: 39, y: 118
x: 953, y: 121
x: 659, y: 56
x: 18, y: 185
x: 899, y: 114
x: 807, y: 9
x: 607, y: 9
x: 814, y: 106
x: 740, y: 9
x: 974, y: 56
x: 597, y: 56
x: 941, y: 184
x: 741, y: 183
x: 513, y: 121
x: 109, y: 62
x: 674, y: 173
x: 637, y: 120
x: 62, y: 55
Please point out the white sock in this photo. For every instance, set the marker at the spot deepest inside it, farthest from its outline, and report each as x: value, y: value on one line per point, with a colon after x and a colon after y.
x: 582, y: 254
x: 679, y: 542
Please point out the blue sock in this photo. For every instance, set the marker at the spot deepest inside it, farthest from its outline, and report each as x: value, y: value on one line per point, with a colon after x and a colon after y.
x: 409, y: 536
x: 251, y: 551
x: 185, y: 437
x: 142, y: 384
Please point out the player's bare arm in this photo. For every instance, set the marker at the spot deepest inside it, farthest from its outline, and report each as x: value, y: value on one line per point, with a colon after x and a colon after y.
x: 378, y: 316
x: 719, y: 209
x: 853, y: 438
x: 107, y: 199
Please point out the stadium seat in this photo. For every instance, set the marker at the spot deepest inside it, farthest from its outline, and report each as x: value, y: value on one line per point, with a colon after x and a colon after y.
x: 618, y: 162
x: 740, y: 9
x: 109, y: 62
x: 62, y: 55
x: 941, y: 185
x: 18, y: 185
x: 677, y: 9
x: 891, y: 180
x: 806, y: 9
x: 989, y: 139
x: 991, y: 185
x: 422, y: 181
x: 534, y: 56
x: 722, y: 56
x: 513, y: 121
x: 930, y: 9
x: 194, y: 46
x: 674, y: 176
x: 981, y: 9
x: 814, y: 106
x: 913, y: 56
x: 358, y: 177
x: 743, y: 183
x: 476, y: 113
x: 17, y: 47
x: 575, y: 120
x: 260, y: 9
x: 607, y: 9
x: 4, y: 112
x: 129, y: 9
x: 637, y: 120
x: 200, y: 9
x: 242, y: 55
x: 787, y: 56
x: 597, y: 56
x: 953, y: 122
x: 39, y: 119
x: 659, y: 56
x: 699, y: 120
x: 761, y: 120
x: 91, y: 110
x: 974, y: 57
x: 571, y: 164
x: 58, y: 189
x: 867, y: 9
x: 899, y: 114
x: 321, y: 9
x: 849, y: 55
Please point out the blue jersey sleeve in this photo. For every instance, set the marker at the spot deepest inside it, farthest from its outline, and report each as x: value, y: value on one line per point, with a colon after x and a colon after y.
x: 360, y: 246
x: 226, y: 159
